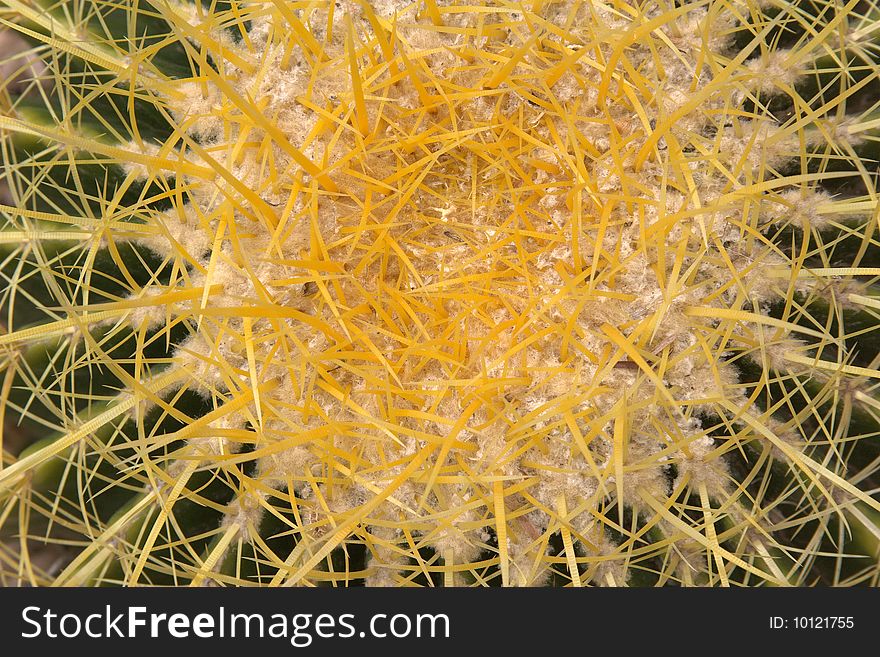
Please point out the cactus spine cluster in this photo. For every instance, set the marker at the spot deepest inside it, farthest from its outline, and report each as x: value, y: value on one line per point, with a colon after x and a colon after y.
x: 429, y: 293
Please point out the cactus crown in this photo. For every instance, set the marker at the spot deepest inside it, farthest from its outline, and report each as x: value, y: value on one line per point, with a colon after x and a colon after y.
x: 439, y: 293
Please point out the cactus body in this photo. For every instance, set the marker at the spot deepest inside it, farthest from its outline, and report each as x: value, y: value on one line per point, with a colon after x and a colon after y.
x: 400, y: 294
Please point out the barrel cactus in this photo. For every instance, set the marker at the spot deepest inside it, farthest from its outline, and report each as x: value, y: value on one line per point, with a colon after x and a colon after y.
x: 431, y: 293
